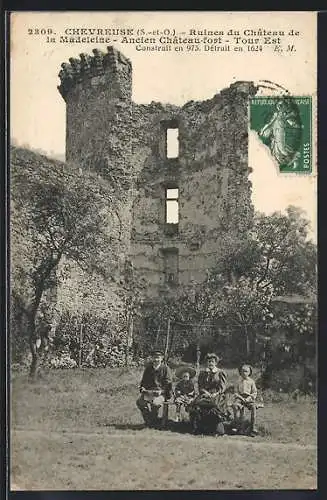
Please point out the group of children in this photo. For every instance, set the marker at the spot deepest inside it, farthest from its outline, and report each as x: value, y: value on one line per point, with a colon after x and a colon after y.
x: 244, y: 395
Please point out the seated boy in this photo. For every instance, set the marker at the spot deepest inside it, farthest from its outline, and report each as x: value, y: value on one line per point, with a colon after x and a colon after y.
x: 155, y: 389
x: 245, y: 397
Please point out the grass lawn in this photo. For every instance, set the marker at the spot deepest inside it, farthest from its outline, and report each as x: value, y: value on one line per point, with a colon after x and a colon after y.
x: 80, y: 429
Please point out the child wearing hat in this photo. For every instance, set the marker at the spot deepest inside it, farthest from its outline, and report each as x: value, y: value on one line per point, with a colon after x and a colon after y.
x: 184, y: 390
x: 245, y: 397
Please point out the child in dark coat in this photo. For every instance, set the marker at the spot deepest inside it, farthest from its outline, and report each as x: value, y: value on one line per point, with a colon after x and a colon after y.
x: 184, y: 390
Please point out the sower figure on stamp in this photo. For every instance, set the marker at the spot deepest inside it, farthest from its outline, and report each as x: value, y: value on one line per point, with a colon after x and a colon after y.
x: 155, y: 389
x: 284, y: 132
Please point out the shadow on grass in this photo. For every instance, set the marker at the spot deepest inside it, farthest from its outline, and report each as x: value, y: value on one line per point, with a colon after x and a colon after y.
x: 130, y: 427
x: 180, y: 427
x: 185, y: 427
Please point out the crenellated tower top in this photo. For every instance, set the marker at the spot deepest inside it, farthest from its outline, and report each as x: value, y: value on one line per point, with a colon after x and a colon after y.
x: 98, y: 72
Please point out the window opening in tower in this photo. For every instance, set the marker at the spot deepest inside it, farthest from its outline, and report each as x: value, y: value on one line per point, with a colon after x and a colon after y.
x: 172, y: 212
x: 172, y: 143
x: 171, y: 265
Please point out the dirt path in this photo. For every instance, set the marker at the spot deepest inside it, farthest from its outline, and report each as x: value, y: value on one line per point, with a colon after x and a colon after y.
x: 141, y: 459
x: 169, y: 436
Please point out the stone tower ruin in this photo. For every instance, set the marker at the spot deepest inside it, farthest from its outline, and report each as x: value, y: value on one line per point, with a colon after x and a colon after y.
x: 187, y: 196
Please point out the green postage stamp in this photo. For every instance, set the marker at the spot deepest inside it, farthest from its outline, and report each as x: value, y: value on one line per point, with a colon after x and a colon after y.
x: 284, y: 125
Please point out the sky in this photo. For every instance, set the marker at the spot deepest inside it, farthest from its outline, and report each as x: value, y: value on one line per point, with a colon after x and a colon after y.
x: 38, y: 110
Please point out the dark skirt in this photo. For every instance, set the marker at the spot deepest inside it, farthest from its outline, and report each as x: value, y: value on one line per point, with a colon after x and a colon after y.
x: 206, y: 417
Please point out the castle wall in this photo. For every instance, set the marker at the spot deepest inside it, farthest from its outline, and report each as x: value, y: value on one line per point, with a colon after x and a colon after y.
x: 97, y: 91
x: 122, y: 140
x: 211, y: 173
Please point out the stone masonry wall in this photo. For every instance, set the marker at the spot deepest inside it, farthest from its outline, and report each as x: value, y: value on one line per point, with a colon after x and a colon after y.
x: 97, y: 92
x: 107, y: 132
x: 211, y: 173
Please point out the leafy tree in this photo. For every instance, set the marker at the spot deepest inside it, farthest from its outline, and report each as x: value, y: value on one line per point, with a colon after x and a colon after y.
x: 288, y: 258
x: 242, y: 307
x: 276, y: 259
x: 299, y: 320
x: 188, y: 313
x: 59, y: 213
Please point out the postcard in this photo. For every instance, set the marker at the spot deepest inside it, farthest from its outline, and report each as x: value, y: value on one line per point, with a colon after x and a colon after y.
x: 163, y: 250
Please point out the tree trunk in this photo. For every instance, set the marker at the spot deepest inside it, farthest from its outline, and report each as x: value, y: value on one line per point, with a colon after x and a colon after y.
x: 247, y: 340
x: 171, y: 345
x: 167, y: 340
x: 157, y: 337
x: 33, y: 346
x: 80, y: 346
x: 129, y: 340
x: 198, y: 357
x: 43, y: 349
x: 39, y: 354
x: 254, y: 346
x: 31, y: 327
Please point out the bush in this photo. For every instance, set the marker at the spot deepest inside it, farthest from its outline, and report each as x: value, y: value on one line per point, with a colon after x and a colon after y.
x: 103, y: 343
x: 297, y: 378
x: 65, y: 361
